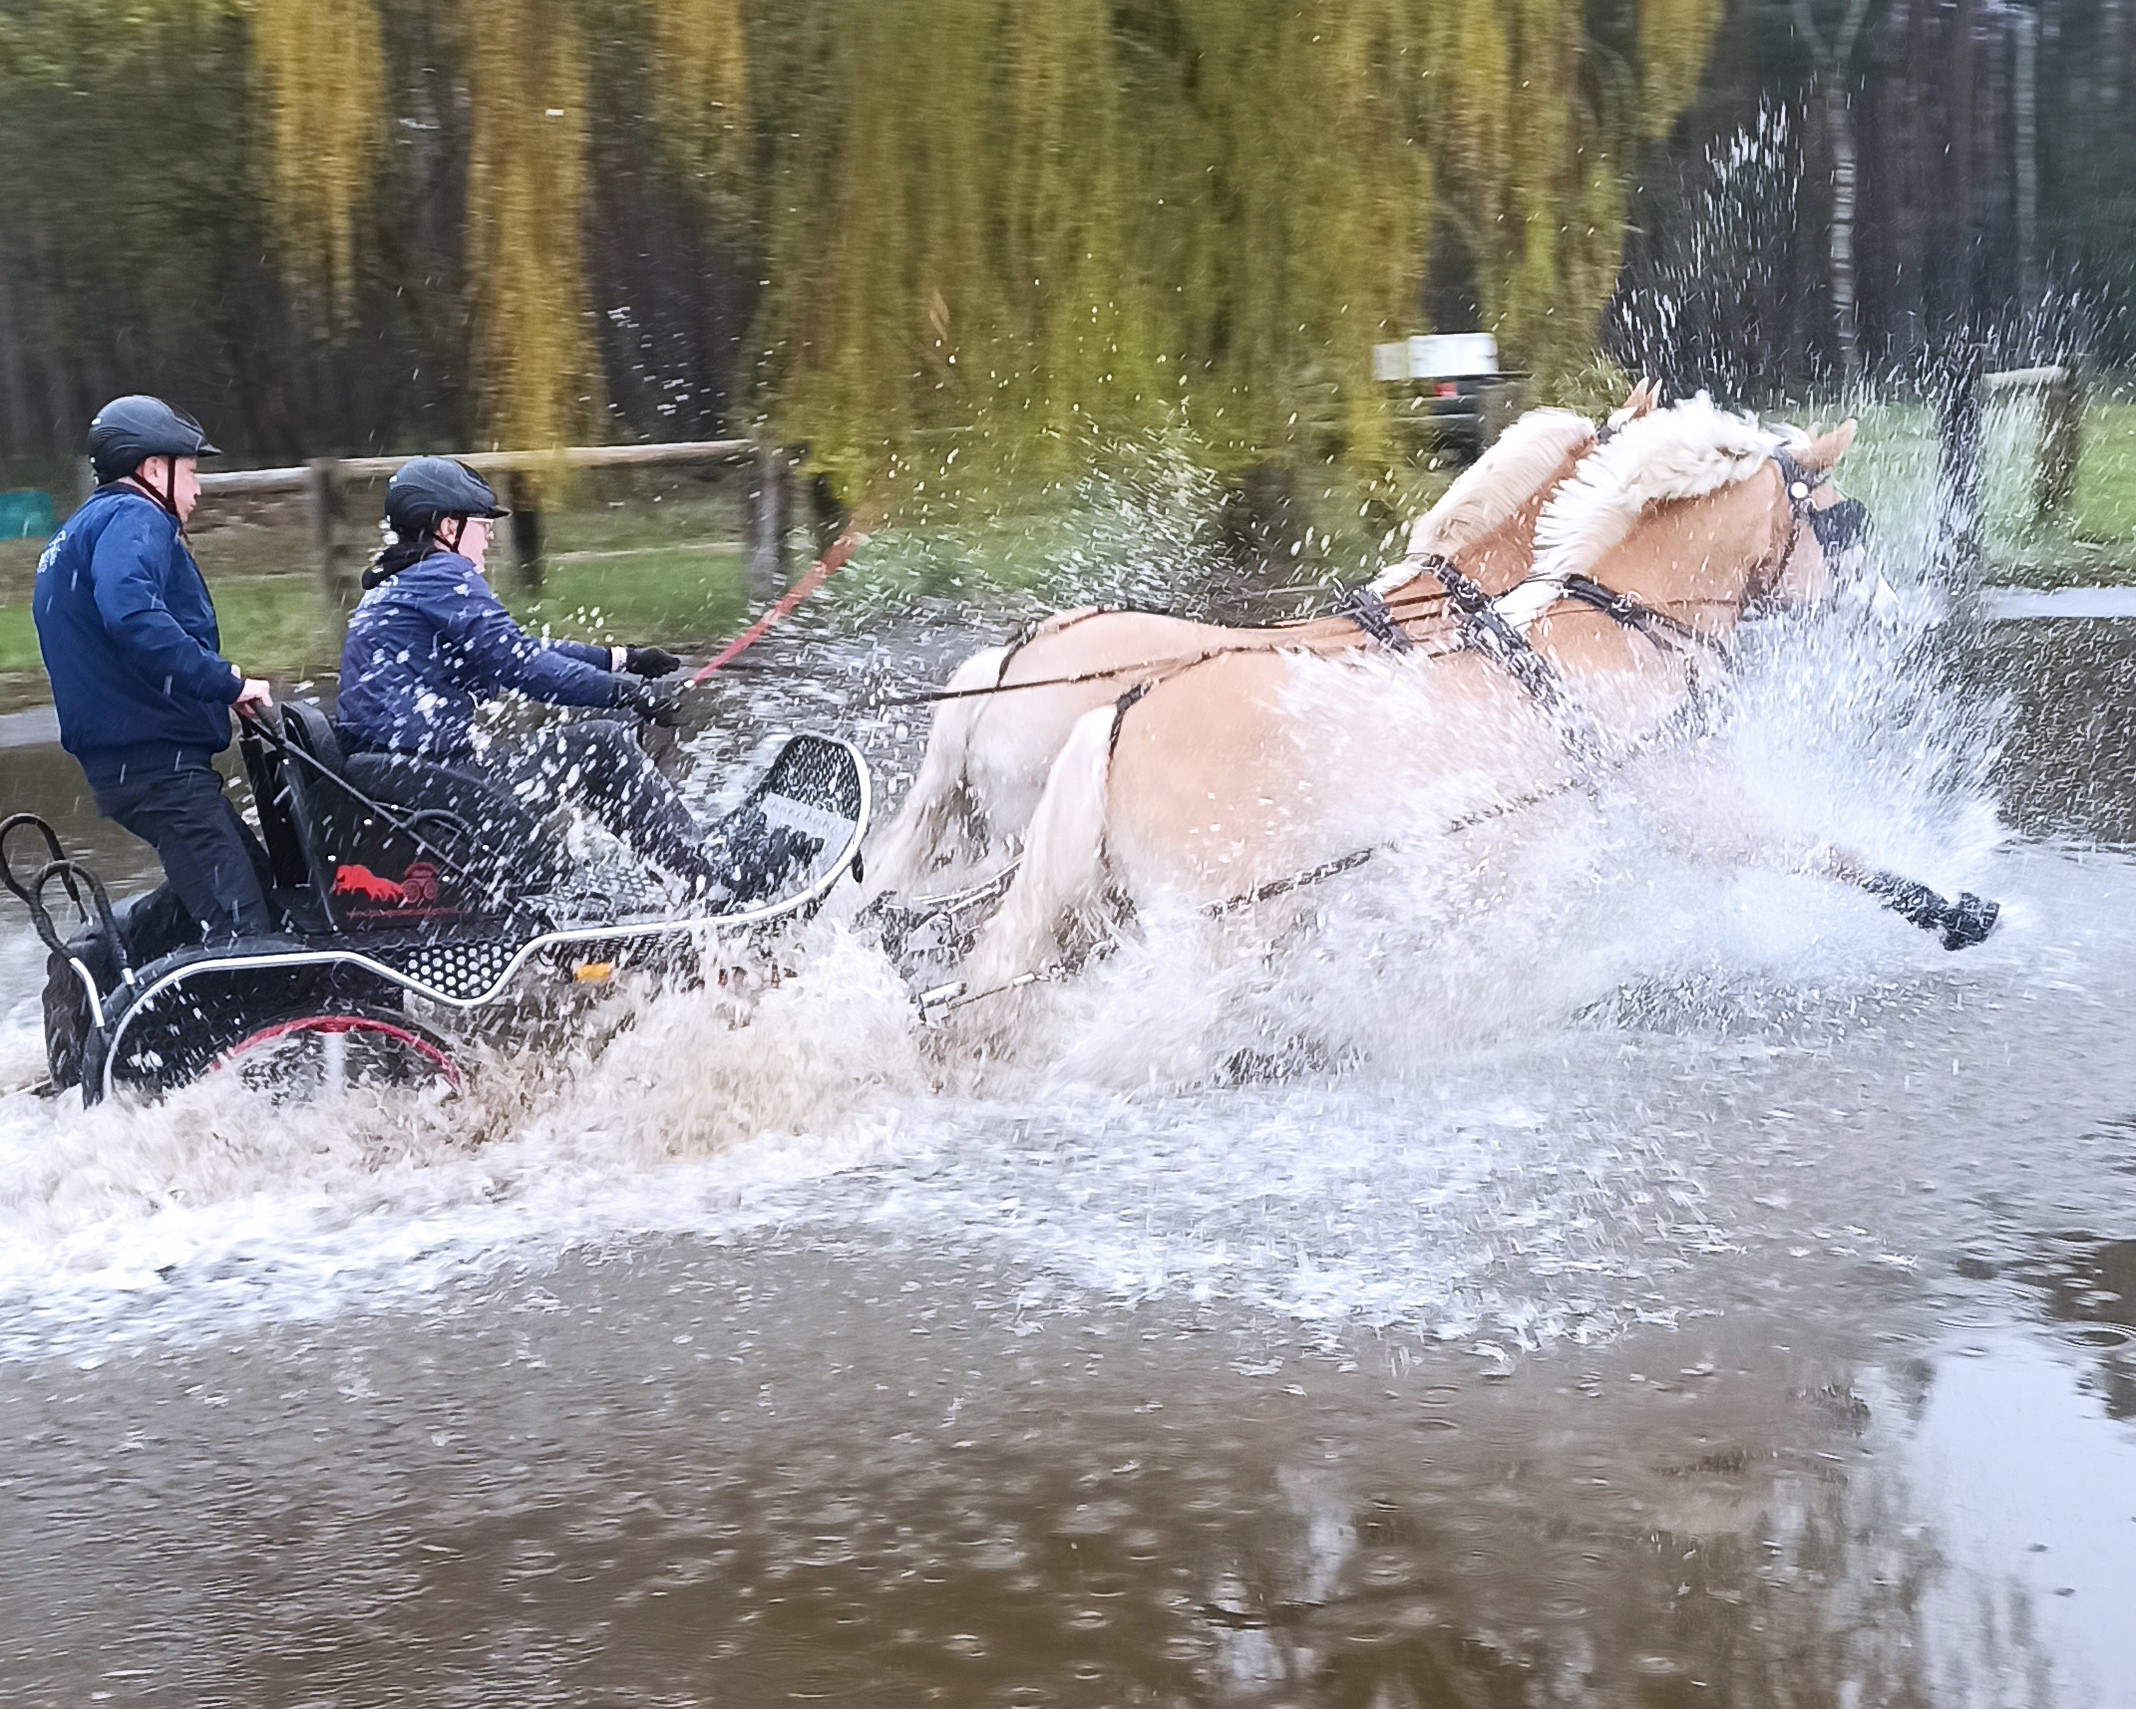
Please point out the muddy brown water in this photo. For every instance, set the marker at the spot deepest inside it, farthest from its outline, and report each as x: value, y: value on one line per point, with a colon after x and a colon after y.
x: 1762, y: 1332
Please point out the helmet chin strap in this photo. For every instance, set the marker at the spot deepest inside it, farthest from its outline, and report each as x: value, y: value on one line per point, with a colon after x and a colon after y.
x: 168, y: 497
x: 458, y: 525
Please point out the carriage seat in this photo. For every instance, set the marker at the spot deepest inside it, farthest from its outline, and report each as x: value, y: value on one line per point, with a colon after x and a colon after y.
x: 368, y: 866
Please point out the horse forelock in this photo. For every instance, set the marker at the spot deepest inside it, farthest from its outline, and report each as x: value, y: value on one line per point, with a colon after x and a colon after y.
x: 1686, y: 451
x: 1492, y: 490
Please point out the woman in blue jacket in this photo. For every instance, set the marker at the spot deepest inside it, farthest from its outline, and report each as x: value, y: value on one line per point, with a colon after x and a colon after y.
x: 429, y: 642
x: 139, y: 682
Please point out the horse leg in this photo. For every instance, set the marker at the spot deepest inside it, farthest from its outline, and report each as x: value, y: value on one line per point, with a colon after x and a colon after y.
x: 941, y: 823
x: 1055, y: 902
x: 1960, y: 921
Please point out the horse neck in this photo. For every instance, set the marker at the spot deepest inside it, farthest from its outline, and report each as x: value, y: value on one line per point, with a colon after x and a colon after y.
x: 1497, y: 558
x: 1701, y: 560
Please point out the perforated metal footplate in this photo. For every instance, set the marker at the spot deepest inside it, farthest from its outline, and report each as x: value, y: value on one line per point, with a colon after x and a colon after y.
x: 465, y: 969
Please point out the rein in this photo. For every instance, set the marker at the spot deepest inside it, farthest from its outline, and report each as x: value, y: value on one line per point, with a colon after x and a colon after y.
x: 1173, y: 664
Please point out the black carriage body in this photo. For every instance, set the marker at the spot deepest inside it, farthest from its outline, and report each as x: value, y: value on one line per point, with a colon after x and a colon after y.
x: 398, y: 878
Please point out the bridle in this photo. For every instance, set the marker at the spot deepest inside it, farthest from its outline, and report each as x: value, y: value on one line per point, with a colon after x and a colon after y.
x: 1834, y: 527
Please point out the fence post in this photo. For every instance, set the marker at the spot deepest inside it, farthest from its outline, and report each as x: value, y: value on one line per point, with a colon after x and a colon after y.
x: 2061, y: 442
x: 767, y: 523
x: 1961, y: 419
x: 322, y: 503
x: 526, y: 529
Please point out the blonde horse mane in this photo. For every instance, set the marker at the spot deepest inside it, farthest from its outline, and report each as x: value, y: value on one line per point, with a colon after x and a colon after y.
x: 1490, y: 491
x: 1688, y: 450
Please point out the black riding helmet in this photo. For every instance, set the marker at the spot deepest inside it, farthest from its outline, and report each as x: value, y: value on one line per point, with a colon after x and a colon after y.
x: 424, y: 491
x: 130, y: 429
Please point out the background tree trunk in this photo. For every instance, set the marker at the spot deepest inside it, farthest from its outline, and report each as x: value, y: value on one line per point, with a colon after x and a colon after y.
x: 1834, y: 62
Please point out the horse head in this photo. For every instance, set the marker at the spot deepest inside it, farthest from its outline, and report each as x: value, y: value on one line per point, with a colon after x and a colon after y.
x: 1699, y: 514
x: 1825, y: 549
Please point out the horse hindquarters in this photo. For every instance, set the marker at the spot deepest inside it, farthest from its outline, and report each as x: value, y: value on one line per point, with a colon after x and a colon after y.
x: 1059, y: 890
x: 940, y: 824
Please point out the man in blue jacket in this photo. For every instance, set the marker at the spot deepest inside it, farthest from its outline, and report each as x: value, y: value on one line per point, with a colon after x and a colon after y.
x: 429, y: 642
x: 142, y: 691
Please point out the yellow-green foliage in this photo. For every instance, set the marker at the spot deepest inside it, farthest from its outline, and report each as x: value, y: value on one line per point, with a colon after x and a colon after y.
x: 1022, y: 224
x: 47, y: 43
x: 526, y: 186
x: 1673, y: 38
x: 1015, y: 226
x: 323, y: 81
x: 1533, y: 177
x: 701, y: 78
x: 1085, y: 344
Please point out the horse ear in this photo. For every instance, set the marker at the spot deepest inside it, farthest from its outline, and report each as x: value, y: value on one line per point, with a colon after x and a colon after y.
x: 1826, y: 449
x: 1641, y: 401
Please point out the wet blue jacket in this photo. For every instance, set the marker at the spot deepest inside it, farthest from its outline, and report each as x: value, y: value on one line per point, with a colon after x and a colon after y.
x: 129, y: 640
x: 430, y: 643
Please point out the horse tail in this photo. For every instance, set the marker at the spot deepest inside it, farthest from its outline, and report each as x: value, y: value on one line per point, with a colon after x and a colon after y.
x: 941, y: 822
x: 1060, y: 886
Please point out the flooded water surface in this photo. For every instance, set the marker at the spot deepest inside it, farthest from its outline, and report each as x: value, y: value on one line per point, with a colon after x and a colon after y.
x: 1643, y: 1279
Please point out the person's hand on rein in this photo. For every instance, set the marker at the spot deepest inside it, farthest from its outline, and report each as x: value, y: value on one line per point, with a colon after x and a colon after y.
x: 656, y: 703
x: 254, y: 695
x: 649, y: 661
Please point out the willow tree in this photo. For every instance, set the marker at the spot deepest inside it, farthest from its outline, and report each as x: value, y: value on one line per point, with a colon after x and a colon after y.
x: 1674, y: 36
x: 320, y: 62
x: 321, y: 68
x: 1311, y: 212
x: 1535, y: 144
x: 700, y: 69
x: 1524, y: 170
x: 526, y: 183
x: 1083, y: 358
x: 887, y: 311
x: 1017, y: 228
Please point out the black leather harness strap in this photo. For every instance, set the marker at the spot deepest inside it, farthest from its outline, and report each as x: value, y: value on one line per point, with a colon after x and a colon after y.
x: 1365, y: 607
x: 1627, y: 610
x: 1120, y: 708
x: 1484, y: 629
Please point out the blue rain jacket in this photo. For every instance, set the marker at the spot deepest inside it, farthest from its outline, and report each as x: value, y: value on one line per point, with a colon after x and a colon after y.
x: 430, y: 643
x: 129, y: 640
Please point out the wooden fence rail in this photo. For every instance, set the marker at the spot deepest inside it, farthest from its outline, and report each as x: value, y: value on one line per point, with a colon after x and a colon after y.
x: 324, y: 480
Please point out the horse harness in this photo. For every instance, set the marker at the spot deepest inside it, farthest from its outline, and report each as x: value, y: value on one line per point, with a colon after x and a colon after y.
x: 1485, y: 629
x: 1836, y: 526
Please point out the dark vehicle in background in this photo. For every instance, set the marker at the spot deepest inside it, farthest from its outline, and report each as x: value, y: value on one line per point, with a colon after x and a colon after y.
x: 1456, y: 400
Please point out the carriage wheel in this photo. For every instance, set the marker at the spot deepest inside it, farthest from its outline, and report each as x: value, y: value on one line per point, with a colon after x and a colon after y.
x: 313, y: 1055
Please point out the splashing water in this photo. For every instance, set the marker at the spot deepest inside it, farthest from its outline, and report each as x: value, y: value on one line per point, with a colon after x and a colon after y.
x: 1328, y: 1132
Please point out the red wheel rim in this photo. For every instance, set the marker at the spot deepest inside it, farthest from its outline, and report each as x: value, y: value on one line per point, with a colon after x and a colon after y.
x: 342, y: 1024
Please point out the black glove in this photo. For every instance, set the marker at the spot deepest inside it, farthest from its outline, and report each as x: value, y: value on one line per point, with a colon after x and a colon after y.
x: 654, y: 702
x: 650, y: 661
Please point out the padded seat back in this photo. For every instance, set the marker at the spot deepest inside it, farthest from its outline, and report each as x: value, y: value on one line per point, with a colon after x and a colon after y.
x: 392, y: 837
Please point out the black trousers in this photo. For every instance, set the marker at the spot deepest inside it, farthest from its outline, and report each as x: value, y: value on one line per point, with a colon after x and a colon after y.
x: 210, y: 856
x: 597, y: 763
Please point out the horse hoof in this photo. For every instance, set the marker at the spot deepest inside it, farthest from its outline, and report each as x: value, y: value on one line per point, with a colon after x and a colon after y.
x: 1968, y: 920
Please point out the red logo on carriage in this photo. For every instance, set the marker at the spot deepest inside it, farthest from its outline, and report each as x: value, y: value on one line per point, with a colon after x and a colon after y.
x: 415, y: 888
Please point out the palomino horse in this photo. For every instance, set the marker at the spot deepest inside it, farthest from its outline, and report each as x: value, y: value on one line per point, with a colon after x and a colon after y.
x: 1241, y: 781
x: 1007, y: 712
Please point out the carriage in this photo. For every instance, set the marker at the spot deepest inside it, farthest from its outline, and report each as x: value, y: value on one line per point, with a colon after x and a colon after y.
x: 413, y: 899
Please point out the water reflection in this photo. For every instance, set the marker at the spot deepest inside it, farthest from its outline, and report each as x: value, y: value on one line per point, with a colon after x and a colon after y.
x: 2090, y: 1286
x: 622, y: 1483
